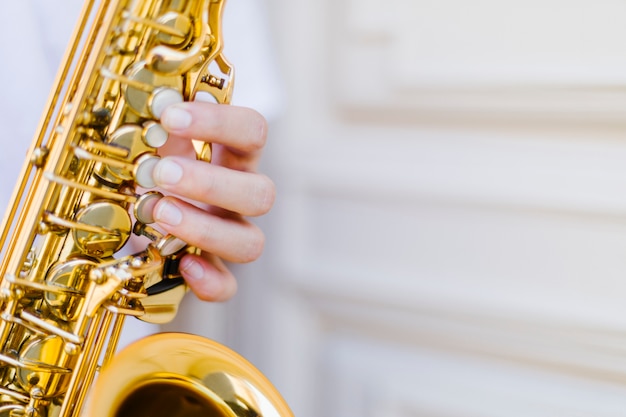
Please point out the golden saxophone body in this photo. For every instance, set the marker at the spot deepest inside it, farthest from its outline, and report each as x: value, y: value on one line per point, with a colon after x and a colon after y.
x: 65, y: 288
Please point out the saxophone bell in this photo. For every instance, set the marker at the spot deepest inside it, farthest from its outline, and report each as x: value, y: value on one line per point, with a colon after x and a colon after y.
x: 183, y: 375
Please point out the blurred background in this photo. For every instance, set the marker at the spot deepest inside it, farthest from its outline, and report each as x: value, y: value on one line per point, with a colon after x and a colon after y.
x: 449, y: 238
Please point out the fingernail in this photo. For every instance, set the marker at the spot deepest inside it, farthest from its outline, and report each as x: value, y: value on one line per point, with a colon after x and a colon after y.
x: 175, y: 118
x: 191, y: 268
x: 168, y: 213
x: 167, y: 172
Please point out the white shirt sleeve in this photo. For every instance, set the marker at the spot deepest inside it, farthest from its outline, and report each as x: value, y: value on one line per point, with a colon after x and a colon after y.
x: 41, y: 30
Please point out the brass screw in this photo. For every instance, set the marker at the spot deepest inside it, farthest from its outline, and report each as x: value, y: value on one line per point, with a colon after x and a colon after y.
x: 214, y: 81
x: 71, y: 349
x: 39, y: 156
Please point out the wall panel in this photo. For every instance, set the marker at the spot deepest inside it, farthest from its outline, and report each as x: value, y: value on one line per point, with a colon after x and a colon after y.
x: 450, y: 230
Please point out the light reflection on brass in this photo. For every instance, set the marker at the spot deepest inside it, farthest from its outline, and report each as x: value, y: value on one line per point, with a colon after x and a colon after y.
x: 65, y: 290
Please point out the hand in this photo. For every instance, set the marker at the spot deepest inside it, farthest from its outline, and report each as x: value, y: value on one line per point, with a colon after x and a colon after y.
x: 211, y: 199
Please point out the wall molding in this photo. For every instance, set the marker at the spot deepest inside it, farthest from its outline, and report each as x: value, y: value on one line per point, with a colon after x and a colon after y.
x: 537, y: 61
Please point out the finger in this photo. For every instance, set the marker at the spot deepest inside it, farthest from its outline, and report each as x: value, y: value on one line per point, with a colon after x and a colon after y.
x: 221, y: 155
x: 246, y: 193
x: 232, y: 239
x: 239, y: 128
x: 226, y: 157
x: 208, y: 277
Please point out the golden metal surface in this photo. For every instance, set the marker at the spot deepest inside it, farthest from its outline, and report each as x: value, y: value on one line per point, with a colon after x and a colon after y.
x: 64, y: 288
x: 200, y: 378
x: 114, y: 222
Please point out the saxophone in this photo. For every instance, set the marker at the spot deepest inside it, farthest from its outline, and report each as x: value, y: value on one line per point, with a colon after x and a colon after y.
x: 85, y: 188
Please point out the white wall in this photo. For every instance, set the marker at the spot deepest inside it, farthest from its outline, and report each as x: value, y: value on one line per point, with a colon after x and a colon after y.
x: 450, y: 233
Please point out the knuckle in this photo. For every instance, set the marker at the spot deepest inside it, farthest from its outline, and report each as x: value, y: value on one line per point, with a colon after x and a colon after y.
x: 255, y: 245
x: 205, y: 236
x: 258, y: 131
x: 265, y: 195
x: 205, y: 180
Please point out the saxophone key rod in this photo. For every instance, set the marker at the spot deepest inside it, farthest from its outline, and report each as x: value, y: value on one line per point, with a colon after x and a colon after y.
x: 161, y: 27
x: 90, y: 189
x: 65, y: 287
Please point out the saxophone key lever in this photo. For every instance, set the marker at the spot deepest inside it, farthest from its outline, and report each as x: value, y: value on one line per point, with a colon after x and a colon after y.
x: 154, y: 135
x: 161, y: 98
x: 65, y: 287
x: 167, y: 245
x: 142, y: 167
x: 111, y: 195
x: 108, y: 148
x: 174, y: 25
x: 144, y: 207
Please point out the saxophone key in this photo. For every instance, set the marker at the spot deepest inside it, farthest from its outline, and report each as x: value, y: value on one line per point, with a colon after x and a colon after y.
x: 113, y: 226
x: 144, y: 207
x: 154, y: 134
x: 161, y: 98
x: 135, y: 140
x: 180, y: 23
x: 147, y: 92
x: 128, y: 137
x: 50, y: 377
x: 65, y: 287
x: 166, y: 245
x: 170, y: 245
x: 143, y: 169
